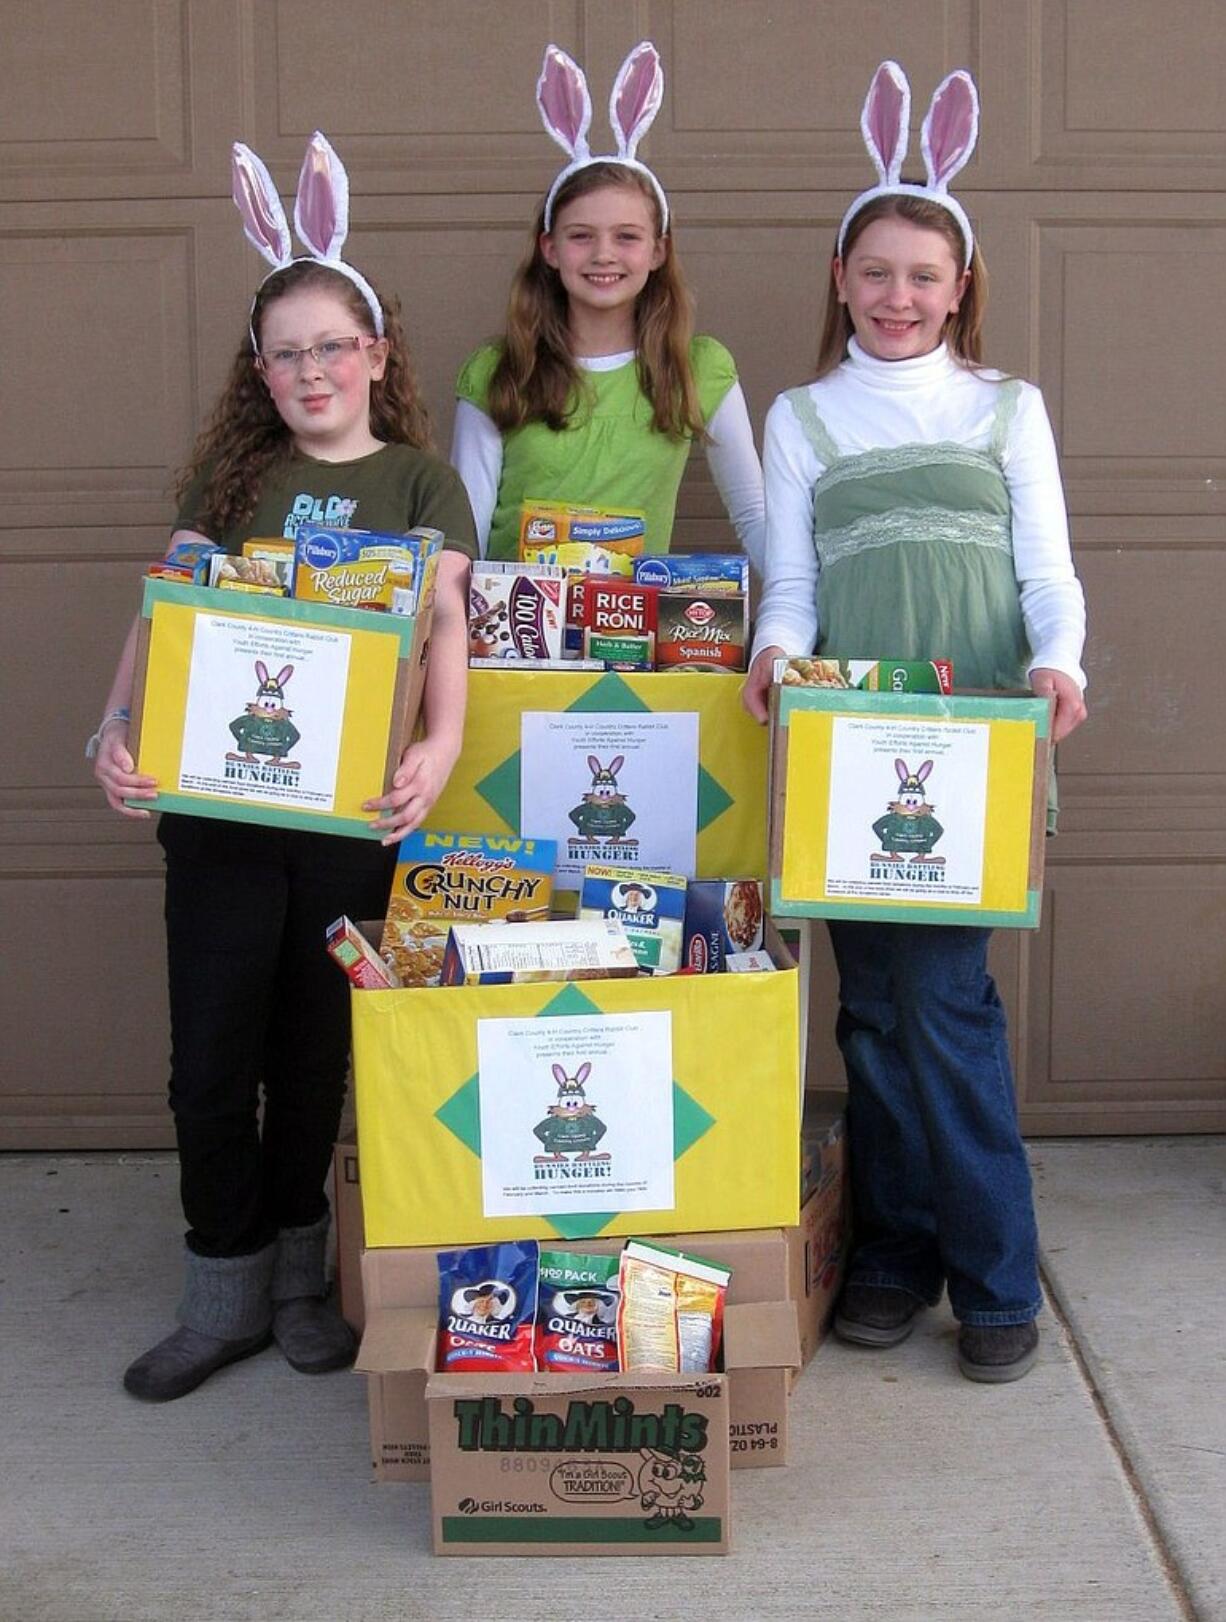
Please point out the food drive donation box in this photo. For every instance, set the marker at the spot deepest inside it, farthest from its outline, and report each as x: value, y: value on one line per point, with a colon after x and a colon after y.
x: 691, y: 1102
x: 269, y: 709
x: 908, y: 808
x: 527, y: 736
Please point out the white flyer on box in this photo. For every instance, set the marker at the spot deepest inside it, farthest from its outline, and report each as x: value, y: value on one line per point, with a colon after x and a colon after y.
x: 611, y: 787
x: 908, y: 805
x: 576, y: 1114
x: 265, y: 705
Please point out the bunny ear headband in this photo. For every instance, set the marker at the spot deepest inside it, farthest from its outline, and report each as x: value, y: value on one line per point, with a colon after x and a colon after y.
x: 566, y: 111
x: 321, y: 216
x: 950, y: 130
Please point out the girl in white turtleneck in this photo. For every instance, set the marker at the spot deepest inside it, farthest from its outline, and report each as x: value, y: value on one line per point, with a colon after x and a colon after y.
x: 913, y: 511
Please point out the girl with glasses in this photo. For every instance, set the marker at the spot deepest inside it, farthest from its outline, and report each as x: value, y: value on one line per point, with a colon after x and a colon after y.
x: 319, y: 419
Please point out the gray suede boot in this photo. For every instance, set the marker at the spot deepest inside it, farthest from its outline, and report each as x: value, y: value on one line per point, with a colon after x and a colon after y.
x: 225, y: 1314
x: 308, y: 1328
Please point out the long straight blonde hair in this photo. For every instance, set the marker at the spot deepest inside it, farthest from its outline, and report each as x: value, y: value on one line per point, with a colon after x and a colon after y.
x: 536, y: 379
x: 963, y: 330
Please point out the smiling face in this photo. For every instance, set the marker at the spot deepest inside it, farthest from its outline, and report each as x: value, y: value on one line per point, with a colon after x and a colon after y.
x: 899, y: 283
x: 324, y: 404
x: 604, y: 246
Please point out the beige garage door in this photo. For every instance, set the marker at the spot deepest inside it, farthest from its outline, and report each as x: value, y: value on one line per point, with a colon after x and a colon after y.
x: 124, y: 282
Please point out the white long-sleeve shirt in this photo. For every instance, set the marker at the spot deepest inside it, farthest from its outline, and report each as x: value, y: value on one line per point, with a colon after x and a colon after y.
x: 476, y: 455
x: 869, y: 404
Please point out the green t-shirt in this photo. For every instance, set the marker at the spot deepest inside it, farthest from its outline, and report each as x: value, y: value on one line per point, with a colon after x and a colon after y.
x: 395, y: 488
x: 608, y: 455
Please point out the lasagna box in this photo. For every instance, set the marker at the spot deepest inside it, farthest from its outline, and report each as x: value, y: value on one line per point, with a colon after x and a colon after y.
x: 722, y: 917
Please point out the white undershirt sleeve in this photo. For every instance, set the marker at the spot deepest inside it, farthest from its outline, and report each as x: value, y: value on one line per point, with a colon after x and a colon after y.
x: 733, y: 460
x: 787, y: 614
x: 476, y: 455
x: 1053, y: 603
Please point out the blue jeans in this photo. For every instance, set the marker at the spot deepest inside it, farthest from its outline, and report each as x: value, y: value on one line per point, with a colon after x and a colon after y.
x: 940, y: 1182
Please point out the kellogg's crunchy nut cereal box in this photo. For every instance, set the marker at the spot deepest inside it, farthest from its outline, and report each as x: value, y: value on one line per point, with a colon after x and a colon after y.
x: 446, y: 878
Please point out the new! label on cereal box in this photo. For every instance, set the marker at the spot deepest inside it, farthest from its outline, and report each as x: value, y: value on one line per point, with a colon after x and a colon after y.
x: 443, y: 879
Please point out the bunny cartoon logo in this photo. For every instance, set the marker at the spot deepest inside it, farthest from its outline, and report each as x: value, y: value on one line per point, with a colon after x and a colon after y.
x: 602, y: 818
x: 909, y: 829
x: 265, y: 728
x: 670, y: 1486
x: 571, y: 1127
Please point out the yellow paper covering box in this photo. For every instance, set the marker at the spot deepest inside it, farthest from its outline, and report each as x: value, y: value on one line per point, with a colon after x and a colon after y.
x: 268, y: 709
x: 482, y: 794
x: 735, y: 1104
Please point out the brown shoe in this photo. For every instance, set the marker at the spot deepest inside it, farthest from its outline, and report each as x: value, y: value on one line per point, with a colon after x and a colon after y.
x: 993, y: 1354
x: 875, y: 1315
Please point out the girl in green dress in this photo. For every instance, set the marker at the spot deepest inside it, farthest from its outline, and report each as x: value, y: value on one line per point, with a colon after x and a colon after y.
x: 914, y: 511
x: 598, y: 389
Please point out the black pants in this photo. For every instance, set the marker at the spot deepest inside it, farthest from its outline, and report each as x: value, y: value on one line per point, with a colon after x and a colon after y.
x: 256, y: 1002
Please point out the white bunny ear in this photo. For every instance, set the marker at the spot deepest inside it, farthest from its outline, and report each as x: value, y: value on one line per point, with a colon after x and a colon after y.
x: 884, y: 121
x: 951, y: 128
x: 638, y: 91
x: 565, y: 104
x: 321, y: 208
x: 255, y: 196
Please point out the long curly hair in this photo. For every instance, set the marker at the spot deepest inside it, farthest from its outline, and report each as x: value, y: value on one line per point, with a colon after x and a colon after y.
x: 962, y: 332
x: 246, y: 436
x: 536, y: 379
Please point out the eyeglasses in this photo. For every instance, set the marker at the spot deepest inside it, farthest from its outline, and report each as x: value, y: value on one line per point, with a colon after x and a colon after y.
x: 331, y: 353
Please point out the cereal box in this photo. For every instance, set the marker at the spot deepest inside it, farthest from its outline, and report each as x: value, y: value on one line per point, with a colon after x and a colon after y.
x: 870, y: 675
x: 514, y: 954
x: 447, y: 878
x: 724, y: 572
x: 650, y: 906
x: 722, y: 916
x: 701, y: 632
x: 516, y: 611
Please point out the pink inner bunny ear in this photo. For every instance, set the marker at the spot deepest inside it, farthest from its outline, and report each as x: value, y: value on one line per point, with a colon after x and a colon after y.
x: 321, y: 209
x: 887, y: 111
x: 638, y: 91
x: 951, y: 128
x: 255, y: 196
x: 566, y: 107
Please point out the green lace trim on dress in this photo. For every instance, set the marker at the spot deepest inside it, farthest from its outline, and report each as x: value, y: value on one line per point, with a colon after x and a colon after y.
x: 910, y: 526
x: 905, y: 459
x: 815, y: 429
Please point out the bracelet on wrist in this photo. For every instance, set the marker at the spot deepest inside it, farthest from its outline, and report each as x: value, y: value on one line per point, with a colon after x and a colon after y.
x: 122, y: 713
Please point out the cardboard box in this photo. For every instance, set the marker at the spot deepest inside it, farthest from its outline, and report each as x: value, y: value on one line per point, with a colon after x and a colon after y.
x: 268, y: 709
x: 347, y: 1226
x: 762, y: 1344
x: 908, y: 807
x: 819, y: 1245
x: 633, y: 1464
x: 731, y: 1089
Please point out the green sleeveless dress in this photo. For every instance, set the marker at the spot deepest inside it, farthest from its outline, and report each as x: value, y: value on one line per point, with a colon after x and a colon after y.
x: 915, y: 550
